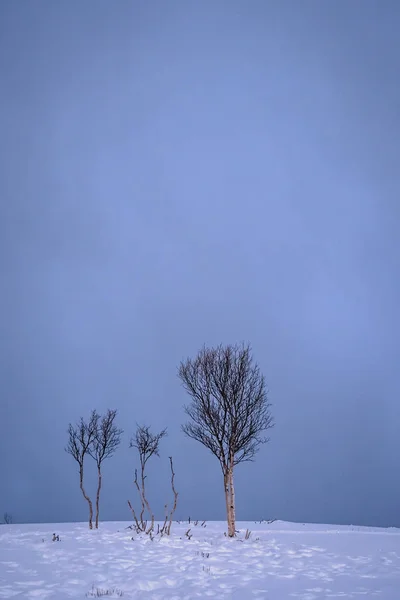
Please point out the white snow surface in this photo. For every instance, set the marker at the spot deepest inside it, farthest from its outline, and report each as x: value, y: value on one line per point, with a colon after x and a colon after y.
x: 280, y: 560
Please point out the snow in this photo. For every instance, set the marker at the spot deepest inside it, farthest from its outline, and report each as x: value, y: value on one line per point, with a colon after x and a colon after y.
x: 279, y: 561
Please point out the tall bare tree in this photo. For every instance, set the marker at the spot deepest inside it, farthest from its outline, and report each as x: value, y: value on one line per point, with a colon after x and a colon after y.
x: 229, y: 411
x: 80, y: 440
x: 104, y: 443
x: 147, y: 445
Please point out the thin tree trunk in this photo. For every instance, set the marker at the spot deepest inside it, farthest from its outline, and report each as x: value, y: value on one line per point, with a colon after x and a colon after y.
x: 146, y: 502
x: 98, y: 496
x: 140, y: 492
x: 143, y: 499
x: 88, y: 500
x: 232, y: 507
x: 138, y: 526
x: 171, y: 514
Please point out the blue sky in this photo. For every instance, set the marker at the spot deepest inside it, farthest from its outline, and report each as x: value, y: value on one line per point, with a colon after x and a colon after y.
x: 183, y: 173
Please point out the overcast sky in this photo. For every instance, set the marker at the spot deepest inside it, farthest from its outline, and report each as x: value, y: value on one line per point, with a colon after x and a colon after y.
x: 185, y: 172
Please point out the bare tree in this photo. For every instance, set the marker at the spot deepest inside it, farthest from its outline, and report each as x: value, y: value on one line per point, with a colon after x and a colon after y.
x: 229, y: 411
x: 80, y: 440
x: 7, y: 518
x: 166, y: 528
x: 106, y: 440
x: 147, y: 445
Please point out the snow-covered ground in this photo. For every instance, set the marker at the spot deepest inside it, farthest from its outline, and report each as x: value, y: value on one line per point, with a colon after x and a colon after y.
x: 280, y: 560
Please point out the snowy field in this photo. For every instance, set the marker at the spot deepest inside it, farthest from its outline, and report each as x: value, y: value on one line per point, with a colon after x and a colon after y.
x: 279, y: 560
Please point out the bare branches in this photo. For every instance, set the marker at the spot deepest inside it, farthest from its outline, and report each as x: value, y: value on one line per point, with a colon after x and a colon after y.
x: 80, y: 439
x: 99, y: 438
x: 107, y: 438
x: 147, y: 445
x: 7, y: 518
x: 229, y: 412
x: 81, y: 436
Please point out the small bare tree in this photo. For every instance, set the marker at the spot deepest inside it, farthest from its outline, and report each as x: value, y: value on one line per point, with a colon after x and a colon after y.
x: 80, y: 440
x: 147, y: 445
x: 229, y: 411
x: 104, y: 443
x: 166, y: 528
x: 7, y: 518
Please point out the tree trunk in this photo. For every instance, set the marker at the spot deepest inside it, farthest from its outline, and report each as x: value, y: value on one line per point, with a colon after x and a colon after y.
x: 88, y: 500
x: 232, y: 531
x: 98, y: 496
x: 228, y: 480
x: 140, y: 523
x: 145, y: 502
x: 173, y: 509
x: 142, y: 498
x: 138, y: 526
